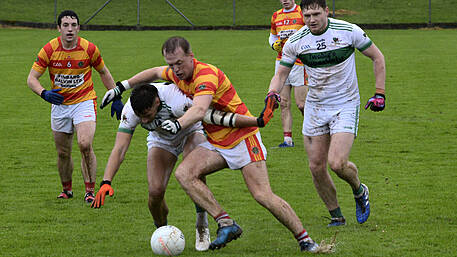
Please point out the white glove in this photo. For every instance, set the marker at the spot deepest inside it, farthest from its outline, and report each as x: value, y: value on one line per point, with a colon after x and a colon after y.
x: 171, y: 126
x: 111, y: 94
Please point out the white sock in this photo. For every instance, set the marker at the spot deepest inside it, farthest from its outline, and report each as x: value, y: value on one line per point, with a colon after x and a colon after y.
x: 288, y: 140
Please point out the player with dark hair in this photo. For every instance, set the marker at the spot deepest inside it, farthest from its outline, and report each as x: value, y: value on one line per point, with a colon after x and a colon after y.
x: 149, y: 105
x: 326, y: 47
x: 284, y: 23
x: 235, y: 148
x: 70, y: 59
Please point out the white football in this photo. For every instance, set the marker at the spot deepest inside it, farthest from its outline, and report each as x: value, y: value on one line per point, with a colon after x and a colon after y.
x: 168, y: 241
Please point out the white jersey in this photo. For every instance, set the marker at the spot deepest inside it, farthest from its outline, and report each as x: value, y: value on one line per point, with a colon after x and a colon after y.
x: 174, y: 104
x: 329, y: 61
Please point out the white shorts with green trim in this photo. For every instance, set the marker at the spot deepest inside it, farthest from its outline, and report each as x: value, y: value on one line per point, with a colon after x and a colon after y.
x: 320, y: 120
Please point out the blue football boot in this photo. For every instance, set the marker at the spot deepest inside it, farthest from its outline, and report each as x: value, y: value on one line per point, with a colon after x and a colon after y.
x: 309, y: 246
x: 336, y: 222
x: 226, y: 234
x: 285, y: 145
x: 362, y: 206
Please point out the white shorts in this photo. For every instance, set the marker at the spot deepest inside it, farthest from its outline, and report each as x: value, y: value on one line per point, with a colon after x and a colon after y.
x: 249, y: 150
x: 296, y: 76
x: 320, y: 120
x: 63, y: 117
x: 175, y: 146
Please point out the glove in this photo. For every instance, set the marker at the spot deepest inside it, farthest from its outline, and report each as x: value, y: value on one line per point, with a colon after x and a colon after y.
x: 171, y: 126
x: 271, y: 103
x: 111, y: 94
x: 52, y: 96
x: 277, y: 45
x: 116, y: 107
x: 105, y: 188
x: 376, y: 103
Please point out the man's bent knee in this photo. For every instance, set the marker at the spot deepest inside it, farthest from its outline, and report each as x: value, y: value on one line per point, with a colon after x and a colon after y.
x: 183, y: 176
x: 156, y: 195
x: 337, y: 165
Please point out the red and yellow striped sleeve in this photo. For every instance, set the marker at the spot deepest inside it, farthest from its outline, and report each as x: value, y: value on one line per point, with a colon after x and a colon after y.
x: 209, y: 80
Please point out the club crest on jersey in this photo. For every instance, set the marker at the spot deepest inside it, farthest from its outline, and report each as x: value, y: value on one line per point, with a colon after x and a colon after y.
x: 255, y: 150
x: 201, y: 87
x: 80, y: 64
x: 336, y: 41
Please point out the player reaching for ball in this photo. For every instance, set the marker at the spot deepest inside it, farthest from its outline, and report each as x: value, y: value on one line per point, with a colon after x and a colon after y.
x: 149, y: 106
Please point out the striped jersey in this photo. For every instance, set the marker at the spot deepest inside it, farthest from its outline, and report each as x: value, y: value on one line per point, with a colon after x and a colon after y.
x: 285, y: 23
x: 70, y: 70
x: 209, y: 80
x: 329, y: 61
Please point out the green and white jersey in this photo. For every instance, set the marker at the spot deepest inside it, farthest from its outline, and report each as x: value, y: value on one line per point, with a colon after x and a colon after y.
x: 174, y: 105
x: 329, y: 61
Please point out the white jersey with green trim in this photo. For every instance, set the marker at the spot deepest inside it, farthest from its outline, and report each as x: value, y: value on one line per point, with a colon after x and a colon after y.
x: 174, y: 104
x: 329, y: 60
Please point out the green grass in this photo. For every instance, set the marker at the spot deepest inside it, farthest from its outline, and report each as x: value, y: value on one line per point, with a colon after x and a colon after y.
x: 220, y: 12
x: 405, y: 154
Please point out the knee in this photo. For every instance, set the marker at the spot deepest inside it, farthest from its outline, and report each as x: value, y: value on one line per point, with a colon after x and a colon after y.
x: 85, y: 146
x: 183, y: 176
x: 337, y: 165
x: 263, y: 197
x: 317, y: 168
x: 64, y: 153
x: 156, y: 194
x: 285, y: 103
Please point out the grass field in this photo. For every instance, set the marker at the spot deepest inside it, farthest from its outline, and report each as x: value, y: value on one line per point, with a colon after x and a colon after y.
x: 405, y: 154
x: 220, y: 12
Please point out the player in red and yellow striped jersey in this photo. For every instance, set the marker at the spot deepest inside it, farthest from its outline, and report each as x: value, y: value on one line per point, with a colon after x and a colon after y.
x: 69, y: 60
x: 284, y: 23
x: 209, y: 80
x: 235, y: 148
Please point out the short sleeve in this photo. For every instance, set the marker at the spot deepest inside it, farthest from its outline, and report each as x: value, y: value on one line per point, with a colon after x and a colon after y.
x: 360, y: 39
x: 289, y: 54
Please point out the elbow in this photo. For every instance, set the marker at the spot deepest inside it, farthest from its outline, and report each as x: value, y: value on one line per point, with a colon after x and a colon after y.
x: 200, y: 113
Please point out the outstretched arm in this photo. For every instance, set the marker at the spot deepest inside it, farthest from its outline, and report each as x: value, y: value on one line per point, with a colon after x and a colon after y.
x: 230, y: 119
x: 117, y: 155
x: 149, y: 75
x: 114, y: 162
x: 278, y: 80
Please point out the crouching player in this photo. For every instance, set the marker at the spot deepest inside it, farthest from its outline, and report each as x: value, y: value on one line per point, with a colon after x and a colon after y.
x: 149, y: 105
